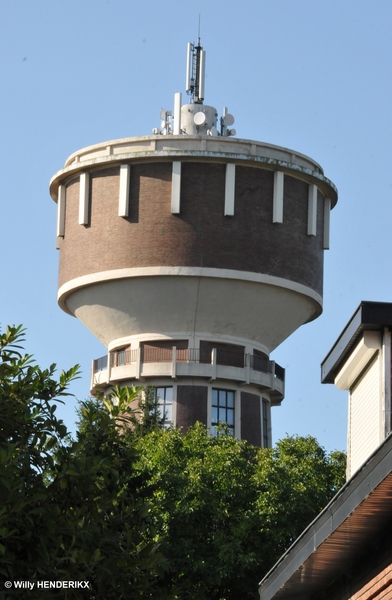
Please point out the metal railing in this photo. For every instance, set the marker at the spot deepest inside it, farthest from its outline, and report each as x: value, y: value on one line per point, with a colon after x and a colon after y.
x: 257, y: 363
x: 151, y: 354
x: 100, y: 364
x: 121, y: 358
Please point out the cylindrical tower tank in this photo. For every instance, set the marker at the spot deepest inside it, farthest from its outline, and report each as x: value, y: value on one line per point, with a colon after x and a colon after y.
x: 192, y: 258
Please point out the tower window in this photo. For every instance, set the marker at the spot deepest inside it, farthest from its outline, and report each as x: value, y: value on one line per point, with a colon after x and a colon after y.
x: 165, y: 403
x: 222, y: 410
x: 265, y: 417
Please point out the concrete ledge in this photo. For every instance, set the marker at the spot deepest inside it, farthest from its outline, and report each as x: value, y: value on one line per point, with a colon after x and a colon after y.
x: 183, y: 147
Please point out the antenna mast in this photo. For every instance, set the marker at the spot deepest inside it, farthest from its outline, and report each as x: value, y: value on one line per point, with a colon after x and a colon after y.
x: 195, y: 71
x: 195, y: 118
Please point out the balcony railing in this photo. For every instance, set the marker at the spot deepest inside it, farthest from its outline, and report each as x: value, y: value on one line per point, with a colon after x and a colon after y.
x: 100, y: 364
x: 190, y: 355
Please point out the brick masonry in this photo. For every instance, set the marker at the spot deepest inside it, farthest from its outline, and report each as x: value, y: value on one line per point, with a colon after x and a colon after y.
x: 250, y: 418
x: 191, y: 405
x: 201, y: 236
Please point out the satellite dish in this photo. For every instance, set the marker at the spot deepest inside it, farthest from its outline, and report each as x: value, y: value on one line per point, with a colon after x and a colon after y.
x: 213, y: 131
x: 233, y: 132
x: 228, y: 119
x: 199, y: 118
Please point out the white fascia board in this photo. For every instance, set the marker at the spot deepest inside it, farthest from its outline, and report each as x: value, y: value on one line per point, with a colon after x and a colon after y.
x: 277, y: 211
x: 358, y: 359
x: 312, y: 209
x: 176, y: 188
x: 123, y: 194
x: 229, y: 190
x: 84, y: 192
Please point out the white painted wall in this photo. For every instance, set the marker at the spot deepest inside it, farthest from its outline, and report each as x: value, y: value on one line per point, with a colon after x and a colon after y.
x: 364, y: 416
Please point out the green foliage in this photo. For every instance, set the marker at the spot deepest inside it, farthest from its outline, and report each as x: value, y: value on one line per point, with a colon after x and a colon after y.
x: 295, y: 481
x: 226, y: 510
x: 70, y: 511
x: 148, y: 416
x: 109, y: 506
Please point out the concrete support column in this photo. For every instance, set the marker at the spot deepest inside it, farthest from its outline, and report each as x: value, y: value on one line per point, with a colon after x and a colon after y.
x: 229, y: 190
x: 327, y: 219
x: 277, y: 210
x: 176, y: 188
x: 123, y: 194
x: 61, y: 211
x: 174, y: 362
x: 84, y: 193
x: 312, y: 209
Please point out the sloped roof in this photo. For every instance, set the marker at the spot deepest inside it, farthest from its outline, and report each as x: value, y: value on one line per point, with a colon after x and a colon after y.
x: 358, y: 513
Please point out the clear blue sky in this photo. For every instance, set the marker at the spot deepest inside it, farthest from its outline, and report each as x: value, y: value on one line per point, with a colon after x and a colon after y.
x: 310, y: 75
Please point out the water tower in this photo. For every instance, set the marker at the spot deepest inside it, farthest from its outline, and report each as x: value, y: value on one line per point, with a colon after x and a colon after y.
x: 192, y: 254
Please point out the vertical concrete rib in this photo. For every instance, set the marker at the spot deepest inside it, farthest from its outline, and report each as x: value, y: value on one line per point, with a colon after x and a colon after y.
x: 277, y: 211
x: 123, y: 194
x: 312, y: 209
x: 176, y: 188
x: 229, y: 190
x: 61, y: 211
x: 84, y: 198
x: 327, y: 220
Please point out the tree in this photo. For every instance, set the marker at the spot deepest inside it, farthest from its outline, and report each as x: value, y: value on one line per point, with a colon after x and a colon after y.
x: 226, y: 510
x: 151, y: 513
x: 148, y: 417
x: 70, y: 510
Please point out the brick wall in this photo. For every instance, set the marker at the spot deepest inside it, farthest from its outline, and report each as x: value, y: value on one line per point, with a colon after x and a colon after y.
x: 250, y: 418
x: 191, y: 405
x: 201, y: 235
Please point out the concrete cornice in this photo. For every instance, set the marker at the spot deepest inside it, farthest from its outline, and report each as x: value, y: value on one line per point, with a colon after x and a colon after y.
x: 100, y: 277
x: 199, y: 148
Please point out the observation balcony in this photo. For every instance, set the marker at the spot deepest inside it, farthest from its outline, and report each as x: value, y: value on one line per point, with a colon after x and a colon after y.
x: 146, y: 363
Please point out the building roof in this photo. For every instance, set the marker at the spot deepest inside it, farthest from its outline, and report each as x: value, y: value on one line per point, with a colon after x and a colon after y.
x: 358, y: 513
x: 369, y: 316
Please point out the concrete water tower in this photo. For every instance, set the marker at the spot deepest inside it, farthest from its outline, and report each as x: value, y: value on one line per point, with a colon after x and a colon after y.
x: 192, y: 255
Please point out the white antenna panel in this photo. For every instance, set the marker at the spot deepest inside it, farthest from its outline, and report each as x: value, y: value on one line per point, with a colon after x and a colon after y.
x: 199, y: 118
x: 202, y: 74
x: 228, y: 119
x: 188, y: 67
x: 177, y: 113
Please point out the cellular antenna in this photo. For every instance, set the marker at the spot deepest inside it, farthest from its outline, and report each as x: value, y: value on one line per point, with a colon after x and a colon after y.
x: 195, y: 118
x: 195, y: 71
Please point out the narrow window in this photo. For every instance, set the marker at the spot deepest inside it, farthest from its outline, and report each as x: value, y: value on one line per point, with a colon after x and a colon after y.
x: 165, y: 403
x: 222, y: 410
x: 265, y: 424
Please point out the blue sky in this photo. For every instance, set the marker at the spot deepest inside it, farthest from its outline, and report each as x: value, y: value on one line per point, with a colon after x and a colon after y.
x: 310, y: 75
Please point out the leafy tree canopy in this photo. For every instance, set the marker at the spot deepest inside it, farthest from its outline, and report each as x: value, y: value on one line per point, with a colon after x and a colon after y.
x: 70, y: 510
x: 137, y: 510
x: 226, y: 510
